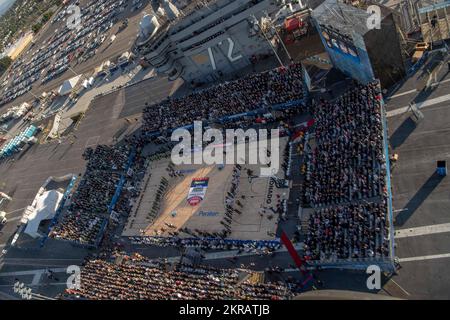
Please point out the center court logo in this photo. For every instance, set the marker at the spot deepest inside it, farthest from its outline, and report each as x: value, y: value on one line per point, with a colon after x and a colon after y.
x: 191, y: 150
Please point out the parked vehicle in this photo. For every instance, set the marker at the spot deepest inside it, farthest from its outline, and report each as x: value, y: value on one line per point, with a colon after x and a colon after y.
x: 3, y: 219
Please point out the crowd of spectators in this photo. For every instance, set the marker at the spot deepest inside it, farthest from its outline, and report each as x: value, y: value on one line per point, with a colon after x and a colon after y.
x: 138, y: 280
x: 348, y: 163
x: 106, y: 157
x: 216, y: 243
x: 348, y: 231
x: 345, y: 181
x: 88, y: 209
x: 249, y: 93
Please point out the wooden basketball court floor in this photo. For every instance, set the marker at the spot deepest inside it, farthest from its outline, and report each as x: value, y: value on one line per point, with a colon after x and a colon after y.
x: 256, y: 222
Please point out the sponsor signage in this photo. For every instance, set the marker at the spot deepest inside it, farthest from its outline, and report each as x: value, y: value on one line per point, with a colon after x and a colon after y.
x: 270, y: 191
x: 208, y: 213
x: 197, y: 191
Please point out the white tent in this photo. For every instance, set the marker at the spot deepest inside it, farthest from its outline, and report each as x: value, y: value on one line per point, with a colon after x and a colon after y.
x: 44, y: 209
x: 68, y: 85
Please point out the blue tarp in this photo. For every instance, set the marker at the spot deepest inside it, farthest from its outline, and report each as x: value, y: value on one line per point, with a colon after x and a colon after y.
x: 13, y: 145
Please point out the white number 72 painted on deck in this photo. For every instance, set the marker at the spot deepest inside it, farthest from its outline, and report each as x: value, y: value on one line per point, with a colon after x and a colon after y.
x: 229, y: 55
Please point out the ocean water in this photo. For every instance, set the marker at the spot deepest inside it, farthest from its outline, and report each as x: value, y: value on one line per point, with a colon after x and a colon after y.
x: 5, y: 5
